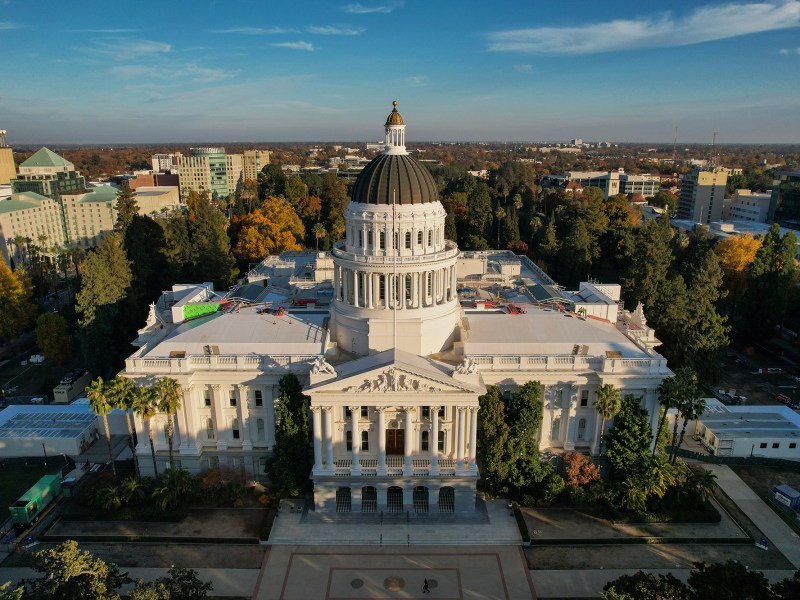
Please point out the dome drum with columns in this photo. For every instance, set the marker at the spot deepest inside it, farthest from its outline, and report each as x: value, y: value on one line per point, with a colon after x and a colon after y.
x: 395, y: 258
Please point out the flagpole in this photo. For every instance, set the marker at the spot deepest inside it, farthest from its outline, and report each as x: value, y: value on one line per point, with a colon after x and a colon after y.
x: 395, y: 291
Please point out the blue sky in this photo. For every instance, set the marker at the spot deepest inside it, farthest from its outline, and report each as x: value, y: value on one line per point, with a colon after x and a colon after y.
x: 247, y: 70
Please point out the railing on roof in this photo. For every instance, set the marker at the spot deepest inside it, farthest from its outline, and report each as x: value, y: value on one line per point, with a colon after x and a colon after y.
x: 569, y: 363
x: 219, y: 362
x: 340, y: 252
x: 538, y: 271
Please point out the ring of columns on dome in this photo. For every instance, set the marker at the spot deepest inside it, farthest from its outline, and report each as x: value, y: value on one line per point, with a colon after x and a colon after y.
x: 456, y: 456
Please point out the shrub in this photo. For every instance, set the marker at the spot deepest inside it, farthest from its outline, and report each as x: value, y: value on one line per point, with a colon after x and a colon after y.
x: 580, y: 471
x: 222, y: 485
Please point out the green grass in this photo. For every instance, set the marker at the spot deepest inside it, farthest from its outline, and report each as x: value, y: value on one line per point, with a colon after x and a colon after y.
x: 15, y: 480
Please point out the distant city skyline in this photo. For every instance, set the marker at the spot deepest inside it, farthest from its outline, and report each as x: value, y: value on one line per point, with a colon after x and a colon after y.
x: 246, y: 71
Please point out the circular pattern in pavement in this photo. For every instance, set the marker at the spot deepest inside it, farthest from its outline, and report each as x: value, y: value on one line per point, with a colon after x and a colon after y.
x: 394, y: 584
x: 357, y: 583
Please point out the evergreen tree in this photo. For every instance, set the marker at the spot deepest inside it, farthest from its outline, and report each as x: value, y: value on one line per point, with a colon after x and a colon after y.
x: 771, y: 279
x: 575, y: 257
x: 646, y: 280
x: 290, y: 465
x: 100, y: 304
x: 209, y: 244
x: 549, y: 247
x: 628, y: 442
x: 645, y: 586
x: 524, y: 415
x: 126, y: 208
x: 729, y: 581
x: 493, y: 436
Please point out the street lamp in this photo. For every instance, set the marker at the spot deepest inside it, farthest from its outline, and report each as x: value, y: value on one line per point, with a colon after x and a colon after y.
x: 45, y: 454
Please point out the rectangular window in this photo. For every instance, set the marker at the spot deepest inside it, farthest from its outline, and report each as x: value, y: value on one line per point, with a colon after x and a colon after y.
x: 792, y: 445
x: 426, y: 412
x: 259, y: 398
x: 762, y: 445
x: 776, y: 445
x: 559, y: 398
x: 365, y: 441
x: 209, y: 429
x: 349, y: 441
x: 440, y: 441
x: 347, y: 413
x: 382, y: 239
x: 208, y: 401
x: 364, y: 412
x: 424, y: 442
x: 584, y: 397
x: 369, y: 238
x: 233, y: 400
x: 235, y: 428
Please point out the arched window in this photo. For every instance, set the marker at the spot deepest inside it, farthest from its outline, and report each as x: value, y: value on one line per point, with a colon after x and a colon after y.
x: 365, y: 441
x: 235, y: 428
x: 581, y: 429
x: 260, y: 435
x: 408, y: 239
x: 419, y: 238
x: 555, y: 428
x: 209, y: 429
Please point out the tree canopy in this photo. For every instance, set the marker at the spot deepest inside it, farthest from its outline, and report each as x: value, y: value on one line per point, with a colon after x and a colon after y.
x: 270, y: 229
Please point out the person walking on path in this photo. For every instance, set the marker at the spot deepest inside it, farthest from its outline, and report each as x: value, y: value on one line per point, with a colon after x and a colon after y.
x: 425, y: 588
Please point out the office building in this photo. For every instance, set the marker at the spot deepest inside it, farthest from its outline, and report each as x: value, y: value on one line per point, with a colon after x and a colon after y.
x: 8, y: 169
x: 253, y: 161
x: 784, y: 205
x: 48, y: 174
x: 702, y: 195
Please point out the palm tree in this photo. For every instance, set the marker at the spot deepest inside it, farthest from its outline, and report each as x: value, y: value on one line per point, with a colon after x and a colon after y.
x: 608, y: 405
x: 144, y: 406
x: 500, y: 213
x: 685, y: 393
x: 667, y: 398
x: 691, y: 408
x: 168, y: 396
x: 97, y: 393
x: 122, y: 393
x: 319, y: 232
x: 700, y: 483
x: 134, y: 489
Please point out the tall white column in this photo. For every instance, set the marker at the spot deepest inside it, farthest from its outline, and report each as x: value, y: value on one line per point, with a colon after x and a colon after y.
x: 187, y: 408
x: 434, y: 441
x: 355, y: 413
x: 473, y: 438
x: 370, y: 287
x: 220, y: 427
x: 381, y: 440
x: 269, y: 404
x: 355, y: 289
x: 243, y: 412
x: 460, y: 440
x: 387, y: 285
x: 408, y: 466
x: 317, y: 424
x: 336, y: 283
x: 329, y: 438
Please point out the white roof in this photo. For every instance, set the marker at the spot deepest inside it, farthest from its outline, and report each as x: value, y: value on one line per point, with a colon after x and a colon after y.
x: 542, y: 332
x: 245, y: 332
x: 775, y: 421
x: 46, y: 421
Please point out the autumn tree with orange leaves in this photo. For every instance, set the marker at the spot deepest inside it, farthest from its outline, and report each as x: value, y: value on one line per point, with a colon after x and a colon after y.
x: 270, y: 229
x: 735, y: 255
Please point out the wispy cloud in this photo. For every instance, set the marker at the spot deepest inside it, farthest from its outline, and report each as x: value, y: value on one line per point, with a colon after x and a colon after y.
x: 296, y: 46
x: 130, y: 49
x: 6, y: 25
x: 705, y: 24
x: 416, y: 81
x: 332, y: 30
x: 103, y: 30
x: 789, y: 51
x: 176, y: 73
x: 356, y: 8
x: 523, y: 68
x: 255, y: 30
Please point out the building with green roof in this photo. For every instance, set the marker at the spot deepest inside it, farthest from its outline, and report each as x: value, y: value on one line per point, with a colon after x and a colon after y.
x: 48, y: 174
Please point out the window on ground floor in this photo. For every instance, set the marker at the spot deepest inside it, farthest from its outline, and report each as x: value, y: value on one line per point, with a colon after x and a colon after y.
x: 555, y: 428
x: 425, y: 441
x: 349, y: 441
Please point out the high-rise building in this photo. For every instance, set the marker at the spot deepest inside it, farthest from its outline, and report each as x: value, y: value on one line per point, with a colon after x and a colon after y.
x: 252, y: 163
x: 702, y: 195
x: 48, y: 174
x: 784, y: 204
x: 7, y: 168
x: 166, y: 162
x: 211, y: 170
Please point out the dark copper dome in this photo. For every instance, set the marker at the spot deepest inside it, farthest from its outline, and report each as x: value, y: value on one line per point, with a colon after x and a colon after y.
x: 397, y: 175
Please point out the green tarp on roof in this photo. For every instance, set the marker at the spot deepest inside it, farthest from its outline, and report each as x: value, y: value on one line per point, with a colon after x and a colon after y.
x: 45, y: 157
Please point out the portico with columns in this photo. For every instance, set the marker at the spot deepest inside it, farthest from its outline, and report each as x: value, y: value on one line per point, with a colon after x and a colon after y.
x: 394, y: 432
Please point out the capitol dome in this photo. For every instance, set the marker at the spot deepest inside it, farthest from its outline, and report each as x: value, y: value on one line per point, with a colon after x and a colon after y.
x: 398, y: 176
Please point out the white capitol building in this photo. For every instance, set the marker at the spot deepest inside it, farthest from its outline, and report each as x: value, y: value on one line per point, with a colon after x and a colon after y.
x: 394, y: 335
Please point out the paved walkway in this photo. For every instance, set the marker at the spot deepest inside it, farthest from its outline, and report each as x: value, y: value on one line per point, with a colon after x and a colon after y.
x: 762, y: 516
x: 293, y: 528
x: 475, y: 572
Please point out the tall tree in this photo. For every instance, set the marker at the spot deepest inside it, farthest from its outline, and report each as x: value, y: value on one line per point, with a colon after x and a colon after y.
x: 736, y: 254
x: 16, y: 298
x: 122, y: 395
x: 684, y: 393
x: 144, y: 407
x: 524, y: 413
x: 179, y: 584
x: 771, y: 278
x: 106, y: 278
x: 493, y: 436
x: 127, y: 208
x: 647, y: 277
x: 98, y: 395
x: 607, y: 405
x: 210, y: 255
x: 690, y: 409
x: 729, y: 581
x: 168, y: 395
x: 549, y: 246
x: 289, y: 465
x: 52, y: 336
x: 319, y: 233
x: 628, y: 442
x: 270, y: 229
x: 645, y: 586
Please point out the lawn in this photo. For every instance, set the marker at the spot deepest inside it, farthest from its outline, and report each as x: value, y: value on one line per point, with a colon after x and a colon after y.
x: 15, y: 480
x: 762, y: 480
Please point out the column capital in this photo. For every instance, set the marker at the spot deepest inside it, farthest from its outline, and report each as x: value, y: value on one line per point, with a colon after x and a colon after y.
x: 243, y: 387
x: 216, y: 387
x: 186, y: 389
x: 316, y: 409
x: 380, y: 409
x: 409, y: 409
x: 354, y: 408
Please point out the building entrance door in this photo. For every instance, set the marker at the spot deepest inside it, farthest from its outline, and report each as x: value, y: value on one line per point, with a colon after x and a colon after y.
x: 395, y: 441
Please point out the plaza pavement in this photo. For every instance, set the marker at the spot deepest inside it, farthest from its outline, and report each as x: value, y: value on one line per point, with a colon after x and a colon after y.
x: 762, y: 516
